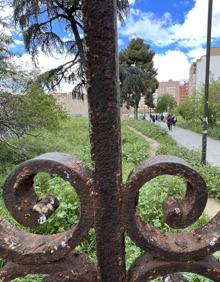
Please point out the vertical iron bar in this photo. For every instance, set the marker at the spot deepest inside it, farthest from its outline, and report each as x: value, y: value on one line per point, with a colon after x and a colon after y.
x: 100, y: 21
x: 205, y: 116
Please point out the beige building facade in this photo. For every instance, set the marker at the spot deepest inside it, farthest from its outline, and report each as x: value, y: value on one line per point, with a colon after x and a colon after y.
x: 171, y: 87
x: 198, y: 68
x: 79, y: 107
x: 72, y: 106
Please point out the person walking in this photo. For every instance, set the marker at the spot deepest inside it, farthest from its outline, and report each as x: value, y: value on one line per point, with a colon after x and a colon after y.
x: 169, y: 122
x: 174, y: 121
x: 153, y: 118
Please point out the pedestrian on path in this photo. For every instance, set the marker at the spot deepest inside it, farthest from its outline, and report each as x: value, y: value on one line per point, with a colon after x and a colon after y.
x: 169, y: 122
x: 174, y: 121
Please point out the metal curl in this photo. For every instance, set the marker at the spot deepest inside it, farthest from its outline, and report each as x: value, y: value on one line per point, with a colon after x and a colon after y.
x: 75, y: 266
x: 174, y: 246
x: 21, y: 200
x: 66, y: 276
x: 178, y: 214
x: 20, y: 197
x: 147, y: 268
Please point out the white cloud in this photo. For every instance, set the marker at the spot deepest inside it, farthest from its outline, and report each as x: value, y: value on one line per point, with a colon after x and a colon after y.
x: 120, y: 42
x: 192, y: 33
x: 6, y: 12
x: 18, y: 42
x: 45, y: 63
x: 161, y: 31
x: 131, y: 2
x: 147, y: 26
x: 172, y: 65
x: 196, y: 53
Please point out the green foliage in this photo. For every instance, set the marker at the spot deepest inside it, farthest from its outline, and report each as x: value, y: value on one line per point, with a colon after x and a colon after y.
x: 134, y: 150
x: 31, y: 278
x: 213, y: 101
x: 34, y: 109
x: 190, y: 107
x: 166, y: 103
x: 132, y: 85
x: 5, y: 41
x: 137, y: 74
x: 19, y: 114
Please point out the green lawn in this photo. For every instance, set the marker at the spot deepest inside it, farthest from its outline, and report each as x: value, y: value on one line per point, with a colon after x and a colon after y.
x: 73, y: 138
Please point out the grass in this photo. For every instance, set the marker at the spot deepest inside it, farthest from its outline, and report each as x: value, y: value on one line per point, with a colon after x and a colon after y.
x: 73, y: 138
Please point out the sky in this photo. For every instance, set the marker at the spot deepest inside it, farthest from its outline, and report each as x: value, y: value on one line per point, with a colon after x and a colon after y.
x: 175, y: 29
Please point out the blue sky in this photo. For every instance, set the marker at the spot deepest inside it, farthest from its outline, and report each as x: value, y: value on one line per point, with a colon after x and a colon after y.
x: 175, y: 29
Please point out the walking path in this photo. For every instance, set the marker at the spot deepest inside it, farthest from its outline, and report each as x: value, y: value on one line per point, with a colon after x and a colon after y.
x: 212, y: 206
x: 153, y: 144
x: 192, y: 140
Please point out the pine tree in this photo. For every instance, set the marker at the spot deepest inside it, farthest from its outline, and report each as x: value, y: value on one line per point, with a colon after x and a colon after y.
x: 56, y: 27
x: 137, y: 74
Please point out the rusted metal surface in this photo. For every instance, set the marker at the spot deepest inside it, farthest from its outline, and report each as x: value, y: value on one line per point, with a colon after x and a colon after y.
x: 74, y: 267
x: 147, y: 268
x: 106, y: 204
x: 26, y: 248
x: 171, y: 252
x: 192, y: 245
x: 104, y: 114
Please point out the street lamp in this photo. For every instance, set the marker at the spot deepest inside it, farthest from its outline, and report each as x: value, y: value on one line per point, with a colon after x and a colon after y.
x: 205, y: 116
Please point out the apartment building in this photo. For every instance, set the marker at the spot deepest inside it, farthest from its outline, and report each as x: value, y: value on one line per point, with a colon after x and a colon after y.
x: 197, y: 70
x: 183, y: 91
x: 171, y: 87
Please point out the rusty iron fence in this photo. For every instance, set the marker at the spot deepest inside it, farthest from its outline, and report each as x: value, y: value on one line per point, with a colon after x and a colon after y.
x: 106, y: 204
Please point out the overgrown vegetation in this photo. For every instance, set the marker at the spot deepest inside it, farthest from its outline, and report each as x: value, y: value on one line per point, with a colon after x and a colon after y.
x: 19, y: 114
x: 191, y: 110
x: 72, y: 138
x: 23, y: 104
x: 165, y: 103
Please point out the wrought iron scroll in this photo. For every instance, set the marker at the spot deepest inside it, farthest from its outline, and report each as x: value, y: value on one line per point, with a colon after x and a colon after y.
x: 106, y: 203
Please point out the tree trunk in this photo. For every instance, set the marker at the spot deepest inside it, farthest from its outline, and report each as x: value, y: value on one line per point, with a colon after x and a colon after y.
x: 135, y: 112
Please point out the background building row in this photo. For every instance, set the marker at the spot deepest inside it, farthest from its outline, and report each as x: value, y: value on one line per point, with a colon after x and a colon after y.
x: 175, y: 88
x: 196, y: 78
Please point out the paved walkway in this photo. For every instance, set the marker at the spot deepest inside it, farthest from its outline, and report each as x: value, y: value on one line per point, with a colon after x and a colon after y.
x: 192, y: 140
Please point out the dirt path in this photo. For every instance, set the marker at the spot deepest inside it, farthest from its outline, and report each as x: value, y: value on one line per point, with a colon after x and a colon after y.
x: 153, y: 144
x: 212, y: 207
